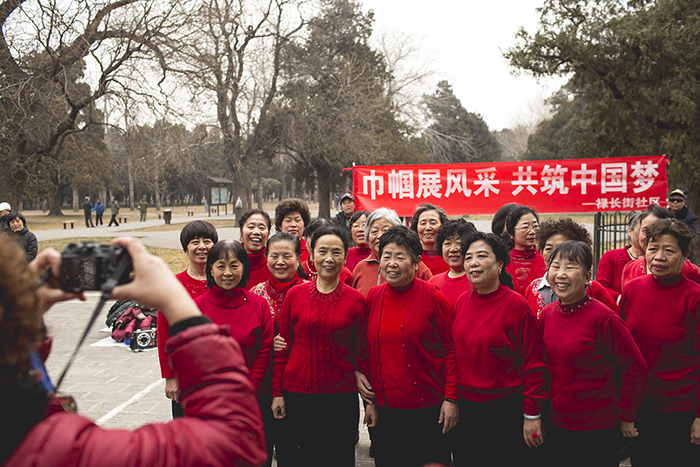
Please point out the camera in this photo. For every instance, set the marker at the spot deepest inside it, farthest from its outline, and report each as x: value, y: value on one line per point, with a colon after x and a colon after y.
x: 88, y: 265
x: 142, y: 339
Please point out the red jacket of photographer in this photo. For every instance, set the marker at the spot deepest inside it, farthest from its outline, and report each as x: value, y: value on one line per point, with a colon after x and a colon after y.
x: 222, y: 426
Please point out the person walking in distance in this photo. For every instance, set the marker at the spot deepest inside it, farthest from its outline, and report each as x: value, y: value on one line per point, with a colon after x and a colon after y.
x: 143, y: 207
x: 114, y: 208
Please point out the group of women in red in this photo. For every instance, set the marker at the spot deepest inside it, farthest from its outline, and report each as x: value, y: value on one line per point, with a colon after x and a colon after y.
x: 467, y: 348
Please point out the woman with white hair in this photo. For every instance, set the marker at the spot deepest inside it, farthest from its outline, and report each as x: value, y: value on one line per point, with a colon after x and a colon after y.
x: 367, y: 274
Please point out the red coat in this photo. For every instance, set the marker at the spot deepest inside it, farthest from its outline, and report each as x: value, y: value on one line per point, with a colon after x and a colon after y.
x: 223, y: 426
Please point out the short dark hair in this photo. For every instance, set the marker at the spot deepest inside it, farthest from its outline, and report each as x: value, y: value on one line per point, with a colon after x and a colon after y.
x: 402, y: 236
x: 499, y: 247
x: 16, y: 215
x: 357, y: 215
x: 455, y: 228
x: 566, y: 227
x: 313, y: 226
x: 244, y: 218
x: 324, y: 230
x: 657, y: 211
x: 424, y: 208
x: 575, y: 251
x: 515, y: 215
x: 498, y: 224
x: 197, y: 229
x: 289, y: 205
x: 674, y: 227
x: 221, y: 250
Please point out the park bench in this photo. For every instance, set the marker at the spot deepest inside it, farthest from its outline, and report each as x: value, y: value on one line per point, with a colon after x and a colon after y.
x: 190, y: 212
x: 65, y: 223
x: 122, y: 219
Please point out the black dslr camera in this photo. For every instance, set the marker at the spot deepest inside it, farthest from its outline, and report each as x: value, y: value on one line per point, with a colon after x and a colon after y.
x: 88, y: 265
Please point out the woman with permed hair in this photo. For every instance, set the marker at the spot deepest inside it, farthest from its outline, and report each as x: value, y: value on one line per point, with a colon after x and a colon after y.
x: 550, y: 235
x: 292, y: 216
x: 454, y: 282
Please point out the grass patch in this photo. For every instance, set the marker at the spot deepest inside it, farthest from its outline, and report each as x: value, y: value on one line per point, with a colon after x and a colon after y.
x: 175, y: 259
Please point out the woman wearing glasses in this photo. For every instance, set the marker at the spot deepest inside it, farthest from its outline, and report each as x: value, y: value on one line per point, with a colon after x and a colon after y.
x: 526, y: 263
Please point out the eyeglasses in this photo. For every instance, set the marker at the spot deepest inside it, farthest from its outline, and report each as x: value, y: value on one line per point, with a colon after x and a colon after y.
x: 676, y: 200
x: 527, y: 228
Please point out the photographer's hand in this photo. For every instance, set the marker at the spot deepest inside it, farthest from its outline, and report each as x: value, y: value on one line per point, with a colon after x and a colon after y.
x: 46, y: 268
x: 154, y: 285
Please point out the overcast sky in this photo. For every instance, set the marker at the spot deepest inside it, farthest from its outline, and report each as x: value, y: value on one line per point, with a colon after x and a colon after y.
x: 464, y: 41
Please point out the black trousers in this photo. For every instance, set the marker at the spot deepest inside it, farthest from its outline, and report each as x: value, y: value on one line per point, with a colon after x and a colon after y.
x: 113, y: 220
x: 664, y: 439
x: 98, y: 219
x: 88, y: 220
x: 592, y: 448
x: 323, y: 427
x: 178, y: 411
x: 490, y: 434
x: 410, y: 438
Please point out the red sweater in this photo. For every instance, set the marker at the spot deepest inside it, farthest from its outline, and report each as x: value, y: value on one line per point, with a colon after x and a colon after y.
x: 321, y: 332
x: 434, y: 262
x: 499, y: 349
x: 539, y: 294
x: 426, y: 338
x: 195, y: 288
x: 304, y: 252
x: 345, y: 274
x: 248, y: 317
x: 355, y: 255
x: 366, y: 274
x: 259, y: 272
x: 609, y: 271
x: 665, y: 321
x: 638, y: 268
x: 586, y: 348
x: 451, y: 287
x: 525, y: 267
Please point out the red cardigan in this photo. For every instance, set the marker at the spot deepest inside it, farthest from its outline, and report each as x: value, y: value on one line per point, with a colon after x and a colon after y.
x: 451, y: 287
x: 434, y: 262
x: 195, y: 288
x: 609, y: 271
x: 499, y: 349
x: 259, y: 272
x: 366, y: 274
x: 525, y: 267
x: 425, y: 331
x: 248, y: 316
x: 355, y: 255
x: 321, y: 332
x: 665, y: 321
x: 638, y: 268
x: 586, y: 349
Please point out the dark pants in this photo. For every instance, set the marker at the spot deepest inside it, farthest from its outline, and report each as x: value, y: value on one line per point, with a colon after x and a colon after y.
x: 491, y: 435
x: 178, y: 411
x: 324, y: 427
x: 410, y: 438
x: 582, y: 448
x: 98, y: 219
x: 278, y: 434
x: 88, y: 220
x: 113, y: 220
x: 664, y: 439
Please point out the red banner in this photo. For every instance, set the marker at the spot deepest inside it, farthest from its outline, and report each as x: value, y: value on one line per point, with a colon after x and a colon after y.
x: 572, y: 185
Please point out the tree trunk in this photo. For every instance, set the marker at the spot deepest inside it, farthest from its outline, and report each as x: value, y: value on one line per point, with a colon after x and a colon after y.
x: 76, y: 200
x: 56, y: 203
x: 324, y: 199
x: 260, y: 188
x: 157, y: 189
x: 11, y: 186
x: 293, y: 191
x: 130, y: 170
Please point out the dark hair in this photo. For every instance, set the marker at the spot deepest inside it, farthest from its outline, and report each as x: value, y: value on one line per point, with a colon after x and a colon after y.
x: 331, y: 230
x: 499, y: 247
x: 16, y: 215
x: 402, y: 236
x: 634, y: 221
x: 455, y: 228
x: 221, y: 250
x: 566, y: 227
x: 498, y: 224
x: 424, y: 208
x: 577, y: 252
x: 290, y: 205
x: 515, y: 215
x: 197, y: 229
x: 674, y: 227
x: 357, y: 215
x: 313, y: 226
x: 247, y: 215
x: 287, y: 237
x: 657, y: 211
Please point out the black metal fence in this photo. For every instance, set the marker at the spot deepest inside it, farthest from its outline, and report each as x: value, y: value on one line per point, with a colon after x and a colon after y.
x: 609, y: 232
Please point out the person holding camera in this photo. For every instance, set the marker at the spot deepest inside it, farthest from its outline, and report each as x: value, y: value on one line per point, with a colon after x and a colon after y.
x: 223, y: 424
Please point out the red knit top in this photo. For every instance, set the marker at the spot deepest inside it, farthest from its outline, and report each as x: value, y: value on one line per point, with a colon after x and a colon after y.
x: 499, y: 349
x: 304, y: 251
x: 424, y: 333
x: 587, y: 346
x: 248, y: 316
x: 367, y: 275
x: 355, y: 255
x: 451, y: 287
x: 664, y: 319
x: 434, y: 262
x: 609, y: 271
x: 310, y: 268
x: 321, y: 332
x: 259, y: 272
x: 525, y: 266
x: 638, y: 268
x: 195, y: 288
x: 539, y: 294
